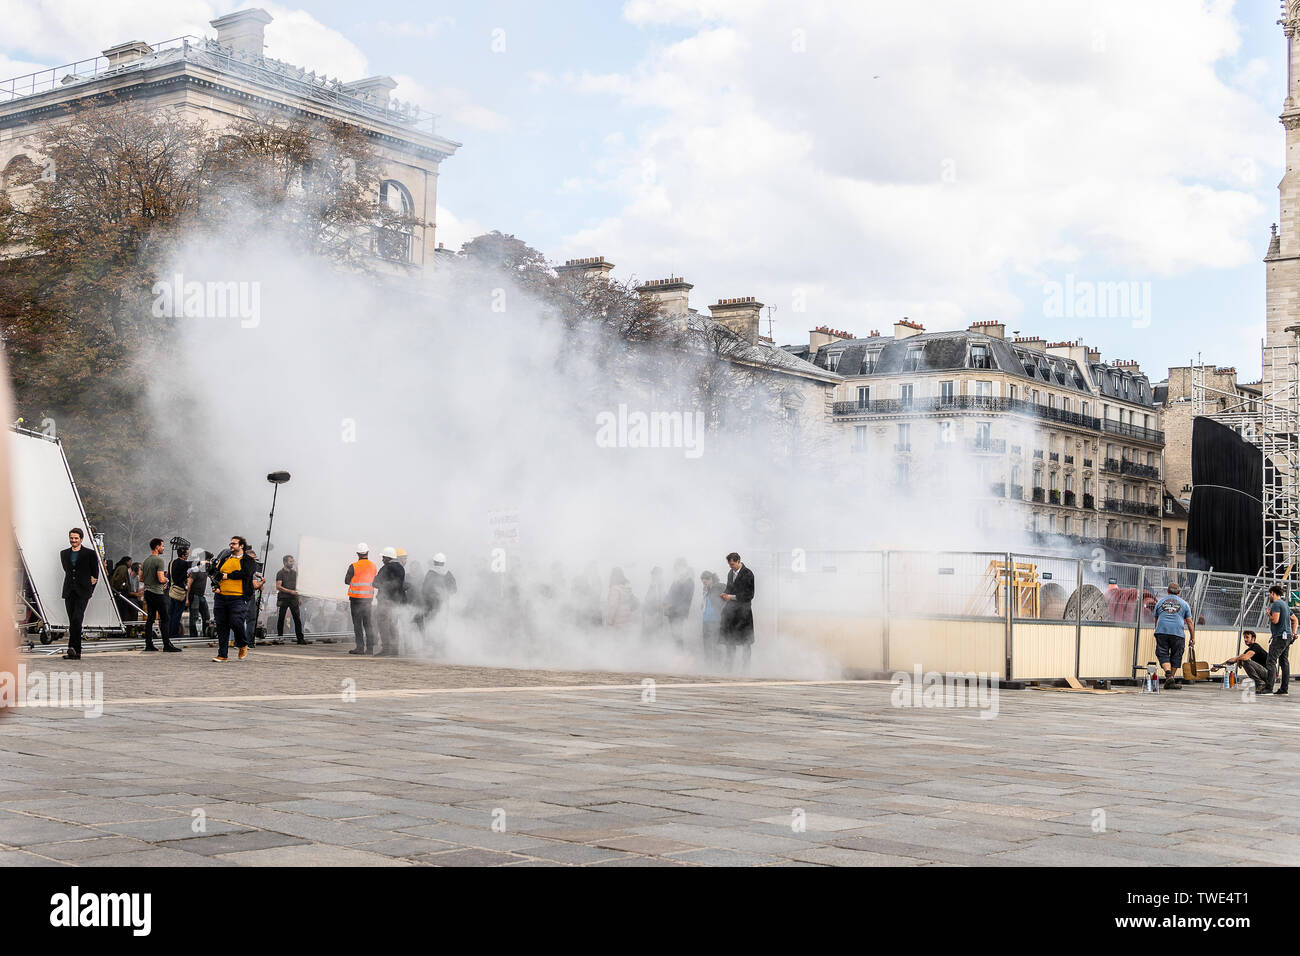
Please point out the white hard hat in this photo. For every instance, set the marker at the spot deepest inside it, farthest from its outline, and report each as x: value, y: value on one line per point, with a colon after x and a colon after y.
x: 363, y: 548
x: 389, y: 552
x: 439, y: 558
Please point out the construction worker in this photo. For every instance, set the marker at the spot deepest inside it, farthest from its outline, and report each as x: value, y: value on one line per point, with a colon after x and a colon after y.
x: 360, y: 579
x: 390, y: 582
x: 436, y: 592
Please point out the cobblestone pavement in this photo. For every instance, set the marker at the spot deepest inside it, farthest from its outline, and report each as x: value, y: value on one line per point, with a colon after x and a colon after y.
x: 447, y: 766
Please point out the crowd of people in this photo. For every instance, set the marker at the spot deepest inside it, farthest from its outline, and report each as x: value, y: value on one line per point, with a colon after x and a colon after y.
x: 389, y: 602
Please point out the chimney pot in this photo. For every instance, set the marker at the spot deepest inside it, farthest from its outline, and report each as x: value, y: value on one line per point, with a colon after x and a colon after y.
x: 244, y: 31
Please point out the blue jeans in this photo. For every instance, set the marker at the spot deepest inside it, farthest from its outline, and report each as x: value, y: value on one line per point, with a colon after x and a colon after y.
x: 175, y: 610
x: 1279, y: 659
x: 198, y: 608
x: 228, y: 613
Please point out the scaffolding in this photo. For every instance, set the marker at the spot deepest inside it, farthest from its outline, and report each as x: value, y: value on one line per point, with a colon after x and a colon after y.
x: 1271, y: 423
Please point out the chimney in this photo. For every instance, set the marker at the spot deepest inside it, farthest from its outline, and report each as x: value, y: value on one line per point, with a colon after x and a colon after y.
x: 904, y: 329
x: 377, y: 89
x: 673, y: 294
x: 1037, y: 343
x: 127, y: 52
x: 825, y: 336
x: 996, y: 329
x: 592, y: 267
x: 243, y: 31
x: 1094, y: 355
x: 1075, y: 351
x: 1129, y: 365
x: 739, y: 315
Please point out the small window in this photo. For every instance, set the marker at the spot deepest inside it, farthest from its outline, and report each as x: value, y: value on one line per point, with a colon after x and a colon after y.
x: 833, y: 361
x: 913, y: 360
x: 864, y: 396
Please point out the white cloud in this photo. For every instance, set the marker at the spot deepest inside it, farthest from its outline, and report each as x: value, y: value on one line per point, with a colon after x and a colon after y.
x: 451, y: 104
x: 898, y: 160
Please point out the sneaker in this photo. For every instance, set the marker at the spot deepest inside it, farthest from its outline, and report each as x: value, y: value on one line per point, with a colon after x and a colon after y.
x: 173, y: 649
x: 1265, y: 690
x: 1278, y: 692
x: 218, y: 660
x: 243, y: 652
x: 300, y: 641
x: 356, y: 650
x: 72, y: 657
x: 150, y: 647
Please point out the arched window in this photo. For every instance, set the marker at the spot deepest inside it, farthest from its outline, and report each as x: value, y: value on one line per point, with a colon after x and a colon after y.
x: 18, y: 172
x: 395, y: 198
x: 395, y: 241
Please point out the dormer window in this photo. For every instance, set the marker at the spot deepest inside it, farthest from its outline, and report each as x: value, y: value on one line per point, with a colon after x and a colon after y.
x: 873, y: 359
x: 833, y: 361
x: 979, y: 357
x: 913, y: 360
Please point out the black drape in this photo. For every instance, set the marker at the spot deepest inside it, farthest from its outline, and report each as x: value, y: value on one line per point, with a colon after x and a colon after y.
x: 1225, y: 529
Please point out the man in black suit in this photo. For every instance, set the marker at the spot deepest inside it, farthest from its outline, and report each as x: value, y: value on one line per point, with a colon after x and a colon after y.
x: 737, y: 626
x: 80, y: 575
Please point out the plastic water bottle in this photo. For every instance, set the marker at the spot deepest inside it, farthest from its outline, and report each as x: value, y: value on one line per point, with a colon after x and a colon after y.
x: 1227, y: 681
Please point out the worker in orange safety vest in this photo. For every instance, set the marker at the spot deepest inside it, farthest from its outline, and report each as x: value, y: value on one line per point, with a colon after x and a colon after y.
x: 360, y: 579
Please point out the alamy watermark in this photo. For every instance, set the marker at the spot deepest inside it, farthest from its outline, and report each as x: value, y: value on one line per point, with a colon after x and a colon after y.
x: 178, y: 299
x: 932, y: 689
x: 624, y: 429
x: 82, y: 690
x: 1084, y: 299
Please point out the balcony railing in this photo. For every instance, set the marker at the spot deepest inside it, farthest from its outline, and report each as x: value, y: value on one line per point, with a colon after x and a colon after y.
x: 1109, y: 464
x: 1134, y: 431
x: 1087, y: 463
x: 1038, y: 494
x: 1038, y: 452
x: 1018, y: 492
x: 1137, y: 547
x: 894, y: 406
x: 1069, y: 459
x: 1054, y: 496
x: 1069, y: 498
x: 1088, y: 501
x: 1054, y: 456
x: 899, y: 446
x: 1139, y: 470
x: 998, y: 489
x: 1132, y: 507
x: 988, y: 446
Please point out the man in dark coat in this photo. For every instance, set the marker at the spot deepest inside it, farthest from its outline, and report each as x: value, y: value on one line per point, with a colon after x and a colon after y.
x: 737, y: 628
x: 80, y: 575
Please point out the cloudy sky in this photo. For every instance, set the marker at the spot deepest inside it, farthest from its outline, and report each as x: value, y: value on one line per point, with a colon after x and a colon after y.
x: 848, y: 162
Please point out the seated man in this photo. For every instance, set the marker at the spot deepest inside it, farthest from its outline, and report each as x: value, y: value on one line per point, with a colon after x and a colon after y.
x: 1254, y: 658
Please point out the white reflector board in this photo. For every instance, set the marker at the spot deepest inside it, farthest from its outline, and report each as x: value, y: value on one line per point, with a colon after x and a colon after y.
x: 321, y: 567
x: 46, y: 507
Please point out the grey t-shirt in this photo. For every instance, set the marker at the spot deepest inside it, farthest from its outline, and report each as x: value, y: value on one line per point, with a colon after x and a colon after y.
x: 1283, y: 625
x: 149, y: 569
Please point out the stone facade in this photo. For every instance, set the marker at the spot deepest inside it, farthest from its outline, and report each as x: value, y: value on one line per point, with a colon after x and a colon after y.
x: 218, y: 81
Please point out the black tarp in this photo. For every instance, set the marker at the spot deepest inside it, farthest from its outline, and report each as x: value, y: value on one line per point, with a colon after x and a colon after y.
x: 1225, y: 529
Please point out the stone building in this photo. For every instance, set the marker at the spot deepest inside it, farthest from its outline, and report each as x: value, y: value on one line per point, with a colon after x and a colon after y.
x: 1028, y: 435
x: 217, y: 80
x: 1178, y: 409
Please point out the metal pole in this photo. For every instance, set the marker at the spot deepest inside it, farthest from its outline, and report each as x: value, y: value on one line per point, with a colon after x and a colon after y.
x: 1241, y: 612
x: 1078, y: 616
x: 266, y: 563
x: 1137, y: 625
x: 1010, y: 610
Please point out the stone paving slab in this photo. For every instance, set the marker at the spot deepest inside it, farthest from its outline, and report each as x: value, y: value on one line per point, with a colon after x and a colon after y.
x: 461, y: 766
